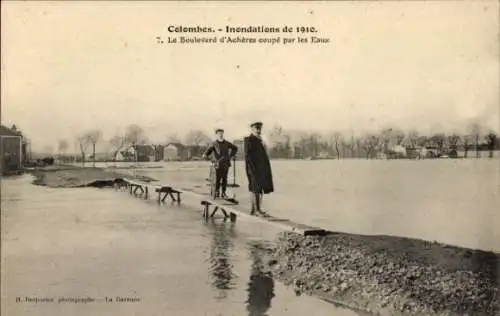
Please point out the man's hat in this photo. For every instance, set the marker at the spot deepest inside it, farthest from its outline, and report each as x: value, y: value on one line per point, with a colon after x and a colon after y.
x: 256, y: 124
x: 219, y: 130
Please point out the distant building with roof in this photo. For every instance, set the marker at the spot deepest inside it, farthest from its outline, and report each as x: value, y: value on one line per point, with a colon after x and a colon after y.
x: 145, y: 153
x: 176, y: 151
x: 173, y: 151
x: 13, y: 150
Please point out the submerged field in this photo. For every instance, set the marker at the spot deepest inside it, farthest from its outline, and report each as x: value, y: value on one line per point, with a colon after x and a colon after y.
x: 381, y: 274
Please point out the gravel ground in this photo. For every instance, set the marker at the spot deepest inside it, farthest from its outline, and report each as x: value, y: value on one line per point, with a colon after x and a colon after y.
x: 387, y: 275
x: 73, y: 177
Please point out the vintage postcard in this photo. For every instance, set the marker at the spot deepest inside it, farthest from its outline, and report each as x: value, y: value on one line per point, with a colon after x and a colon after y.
x: 250, y: 158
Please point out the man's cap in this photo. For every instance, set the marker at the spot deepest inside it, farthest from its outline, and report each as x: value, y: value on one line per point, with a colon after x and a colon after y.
x: 219, y: 130
x: 256, y: 124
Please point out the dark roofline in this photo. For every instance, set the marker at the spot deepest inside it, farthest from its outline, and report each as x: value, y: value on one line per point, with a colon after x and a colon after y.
x: 196, y: 146
x: 5, y: 131
x: 176, y: 144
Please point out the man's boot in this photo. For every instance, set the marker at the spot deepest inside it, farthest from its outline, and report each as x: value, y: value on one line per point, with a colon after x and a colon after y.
x: 258, y: 203
x: 217, y: 190
x: 223, y: 184
x: 252, y: 211
x: 223, y: 194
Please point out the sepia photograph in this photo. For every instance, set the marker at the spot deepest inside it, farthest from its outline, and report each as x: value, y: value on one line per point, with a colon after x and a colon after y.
x: 250, y: 158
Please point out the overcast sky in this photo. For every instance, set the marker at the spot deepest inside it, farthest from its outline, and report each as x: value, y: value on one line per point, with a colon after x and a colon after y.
x: 69, y: 67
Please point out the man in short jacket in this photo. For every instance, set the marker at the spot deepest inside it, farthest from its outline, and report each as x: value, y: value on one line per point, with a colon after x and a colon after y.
x: 223, y: 152
x: 258, y: 167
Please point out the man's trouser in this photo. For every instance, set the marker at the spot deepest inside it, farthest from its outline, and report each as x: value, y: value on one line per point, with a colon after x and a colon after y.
x: 221, y: 178
x: 256, y: 201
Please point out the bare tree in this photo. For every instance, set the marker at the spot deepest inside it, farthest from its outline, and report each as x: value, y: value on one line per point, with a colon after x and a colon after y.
x: 279, y: 142
x: 83, y: 143
x: 275, y: 135
x: 476, y: 133
x: 196, y: 138
x: 491, y: 139
x: 467, y: 141
x: 351, y: 145
x: 398, y: 136
x: 337, y: 140
x: 117, y: 143
x: 413, y: 138
x: 93, y: 136
x: 358, y: 146
x: 439, y: 140
x: 311, y: 144
x: 384, y: 138
x: 296, y: 140
x: 157, y: 148
x: 62, y: 146
x: 303, y: 145
x: 389, y: 137
x: 453, y: 141
x: 173, y: 138
x: 371, y: 143
x: 134, y: 135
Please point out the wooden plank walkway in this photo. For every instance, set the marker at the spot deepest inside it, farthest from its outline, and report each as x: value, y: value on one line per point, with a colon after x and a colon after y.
x: 229, y: 210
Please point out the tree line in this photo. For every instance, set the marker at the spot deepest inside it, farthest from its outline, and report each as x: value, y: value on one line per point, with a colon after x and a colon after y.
x: 133, y: 136
x: 386, y: 141
x: 284, y: 143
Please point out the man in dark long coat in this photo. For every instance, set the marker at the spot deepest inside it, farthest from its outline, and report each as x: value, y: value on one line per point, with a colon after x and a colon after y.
x: 258, y: 167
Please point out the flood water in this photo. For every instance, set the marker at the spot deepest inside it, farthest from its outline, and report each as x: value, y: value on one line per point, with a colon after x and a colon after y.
x: 98, y: 243
x: 451, y: 201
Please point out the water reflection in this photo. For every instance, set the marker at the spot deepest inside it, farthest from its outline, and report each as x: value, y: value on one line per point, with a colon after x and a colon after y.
x: 221, y: 267
x: 260, y: 286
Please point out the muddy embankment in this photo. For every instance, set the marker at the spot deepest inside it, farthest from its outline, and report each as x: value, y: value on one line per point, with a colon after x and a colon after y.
x: 386, y: 275
x: 75, y: 177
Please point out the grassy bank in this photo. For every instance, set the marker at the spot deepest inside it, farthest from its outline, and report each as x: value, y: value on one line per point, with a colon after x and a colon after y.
x: 65, y: 176
x: 389, y: 275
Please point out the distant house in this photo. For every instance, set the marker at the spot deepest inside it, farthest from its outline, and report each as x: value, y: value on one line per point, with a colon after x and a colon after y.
x: 193, y: 152
x: 173, y: 151
x: 120, y: 156
x: 412, y: 152
x: 12, y: 149
x: 158, y: 152
x: 427, y: 152
x: 126, y: 155
x: 397, y: 151
x: 145, y: 153
x: 178, y: 151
